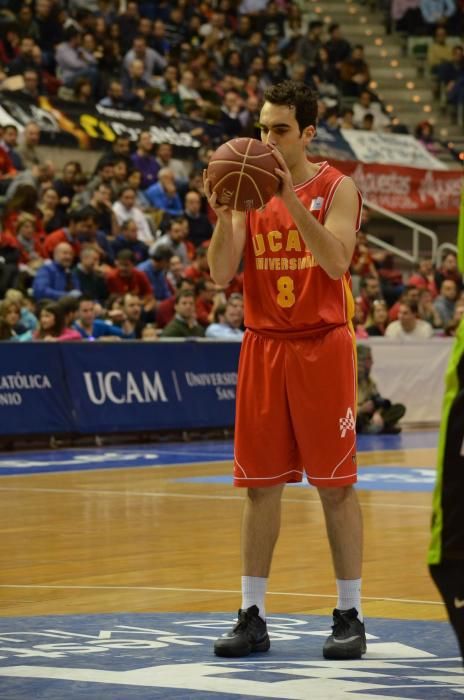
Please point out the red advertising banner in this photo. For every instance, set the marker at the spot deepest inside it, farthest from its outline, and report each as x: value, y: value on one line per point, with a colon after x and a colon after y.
x: 406, y: 190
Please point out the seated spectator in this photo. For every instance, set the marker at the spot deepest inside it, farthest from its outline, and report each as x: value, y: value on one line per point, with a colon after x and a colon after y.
x: 362, y: 262
x: 102, y: 205
x: 120, y: 148
x: 446, y: 301
x: 174, y: 240
x: 206, y: 291
x: 30, y: 139
x: 455, y: 322
x: 410, y: 294
x: 184, y: 324
x: 155, y: 269
x: 55, y: 280
x: 88, y: 278
x: 426, y: 310
x: 28, y: 319
x: 10, y: 258
x: 449, y: 270
x: 358, y: 320
x: 115, y: 97
x: 132, y: 324
x: 135, y: 86
x: 125, y: 278
x: 164, y: 195
x: 91, y: 328
x: 7, y: 171
x: 74, y: 62
x: 53, y: 216
x: 366, y: 105
x: 30, y: 242
x: 120, y: 173
x: 439, y: 51
x: 151, y: 60
x: 199, y: 269
x: 128, y: 240
x: 346, y: 118
x: 227, y: 325
x: 176, y: 166
x: 165, y: 310
x: 391, y: 278
x: 424, y: 278
x: 65, y: 184
x: 125, y: 208
x: 145, y: 162
x: 370, y: 292
x: 200, y: 229
x: 134, y: 180
x: 379, y: 319
x: 9, y: 143
x: 150, y: 332
x: 175, y: 273
x: 408, y: 326
x: 10, y: 315
x: 375, y: 414
x: 77, y: 228
x: 52, y: 325
x: 354, y: 73
x: 425, y: 134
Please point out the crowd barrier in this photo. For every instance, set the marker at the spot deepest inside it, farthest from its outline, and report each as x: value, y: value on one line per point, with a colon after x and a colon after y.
x: 85, y: 388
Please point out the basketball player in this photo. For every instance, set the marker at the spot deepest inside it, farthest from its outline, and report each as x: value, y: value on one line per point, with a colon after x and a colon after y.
x: 446, y: 551
x: 296, y: 392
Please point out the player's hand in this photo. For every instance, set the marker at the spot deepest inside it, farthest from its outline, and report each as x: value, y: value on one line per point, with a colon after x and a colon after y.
x: 221, y: 210
x: 286, y: 186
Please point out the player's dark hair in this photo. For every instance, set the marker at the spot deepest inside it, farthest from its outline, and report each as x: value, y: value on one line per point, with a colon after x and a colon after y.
x: 297, y: 95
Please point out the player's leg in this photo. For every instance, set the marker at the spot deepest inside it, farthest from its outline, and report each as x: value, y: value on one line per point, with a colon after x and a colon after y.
x: 265, y: 459
x: 323, y: 415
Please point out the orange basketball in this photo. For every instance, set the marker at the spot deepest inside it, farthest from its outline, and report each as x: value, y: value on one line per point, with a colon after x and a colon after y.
x: 242, y: 174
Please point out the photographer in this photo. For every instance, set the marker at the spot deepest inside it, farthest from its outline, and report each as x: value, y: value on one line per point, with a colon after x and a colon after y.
x: 375, y: 413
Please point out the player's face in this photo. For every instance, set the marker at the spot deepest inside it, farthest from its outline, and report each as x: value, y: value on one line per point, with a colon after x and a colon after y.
x: 279, y: 128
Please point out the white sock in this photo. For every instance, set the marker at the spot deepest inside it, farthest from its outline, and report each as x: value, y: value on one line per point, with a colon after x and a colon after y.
x: 349, y: 595
x: 253, y: 593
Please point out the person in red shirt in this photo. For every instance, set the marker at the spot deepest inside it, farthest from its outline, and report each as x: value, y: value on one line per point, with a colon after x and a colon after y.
x: 79, y: 225
x: 7, y: 169
x: 199, y: 269
x: 205, y: 291
x: 30, y: 241
x: 126, y: 278
x: 424, y: 278
x: 165, y: 310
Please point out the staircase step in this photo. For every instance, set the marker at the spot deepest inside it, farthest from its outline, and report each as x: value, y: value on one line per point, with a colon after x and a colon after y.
x: 390, y: 51
x: 387, y: 74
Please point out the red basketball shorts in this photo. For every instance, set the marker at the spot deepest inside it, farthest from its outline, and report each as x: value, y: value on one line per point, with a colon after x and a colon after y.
x: 296, y: 410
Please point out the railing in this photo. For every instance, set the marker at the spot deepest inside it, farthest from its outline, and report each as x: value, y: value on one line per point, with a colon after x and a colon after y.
x: 416, y: 229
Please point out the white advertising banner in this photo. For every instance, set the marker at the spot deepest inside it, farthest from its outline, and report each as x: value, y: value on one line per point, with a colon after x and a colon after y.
x: 391, y: 149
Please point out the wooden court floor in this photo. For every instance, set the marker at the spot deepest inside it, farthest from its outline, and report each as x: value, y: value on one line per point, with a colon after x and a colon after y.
x: 140, y: 539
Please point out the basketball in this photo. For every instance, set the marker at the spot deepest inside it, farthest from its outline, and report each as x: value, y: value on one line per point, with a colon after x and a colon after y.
x: 242, y: 174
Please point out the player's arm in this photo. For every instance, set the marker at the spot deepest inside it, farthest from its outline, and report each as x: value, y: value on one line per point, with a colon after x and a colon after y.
x: 331, y: 243
x: 228, y: 240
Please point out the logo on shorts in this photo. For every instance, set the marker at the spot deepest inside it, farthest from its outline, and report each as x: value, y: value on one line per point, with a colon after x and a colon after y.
x: 347, y: 423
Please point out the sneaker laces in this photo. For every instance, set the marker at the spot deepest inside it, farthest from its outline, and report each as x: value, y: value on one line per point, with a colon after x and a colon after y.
x: 341, y: 622
x: 243, y: 619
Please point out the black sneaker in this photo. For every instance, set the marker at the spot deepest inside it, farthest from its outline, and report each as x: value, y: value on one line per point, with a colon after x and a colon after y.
x: 348, y: 638
x: 249, y: 634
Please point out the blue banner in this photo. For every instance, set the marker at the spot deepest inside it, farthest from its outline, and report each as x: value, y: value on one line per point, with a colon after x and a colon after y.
x: 33, y: 393
x: 135, y: 386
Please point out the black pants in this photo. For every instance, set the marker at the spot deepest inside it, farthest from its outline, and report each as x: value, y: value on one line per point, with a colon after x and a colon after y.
x: 449, y: 579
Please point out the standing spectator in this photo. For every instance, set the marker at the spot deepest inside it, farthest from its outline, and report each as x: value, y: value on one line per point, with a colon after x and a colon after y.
x: 408, y: 326
x: 200, y: 228
x: 144, y: 160
x: 126, y: 278
x: 88, y: 278
x: 184, y: 324
x: 227, y: 325
x: 155, y: 269
x: 125, y: 208
x: 55, y: 279
x: 174, y: 240
x: 446, y: 301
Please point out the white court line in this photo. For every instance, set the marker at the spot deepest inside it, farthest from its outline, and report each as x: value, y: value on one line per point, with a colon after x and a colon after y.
x: 220, y: 591
x: 200, y: 496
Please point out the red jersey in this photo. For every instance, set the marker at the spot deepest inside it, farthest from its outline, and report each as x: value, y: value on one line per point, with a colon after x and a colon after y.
x: 138, y: 283
x: 285, y: 290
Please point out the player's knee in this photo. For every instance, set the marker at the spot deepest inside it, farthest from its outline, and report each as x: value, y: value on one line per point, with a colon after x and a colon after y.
x: 261, y: 495
x: 335, y: 496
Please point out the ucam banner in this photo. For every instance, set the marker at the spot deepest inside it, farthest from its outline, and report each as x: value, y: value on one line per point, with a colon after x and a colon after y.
x: 135, y: 386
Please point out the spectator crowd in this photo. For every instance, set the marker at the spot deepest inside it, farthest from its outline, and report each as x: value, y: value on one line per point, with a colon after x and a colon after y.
x: 121, y: 252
